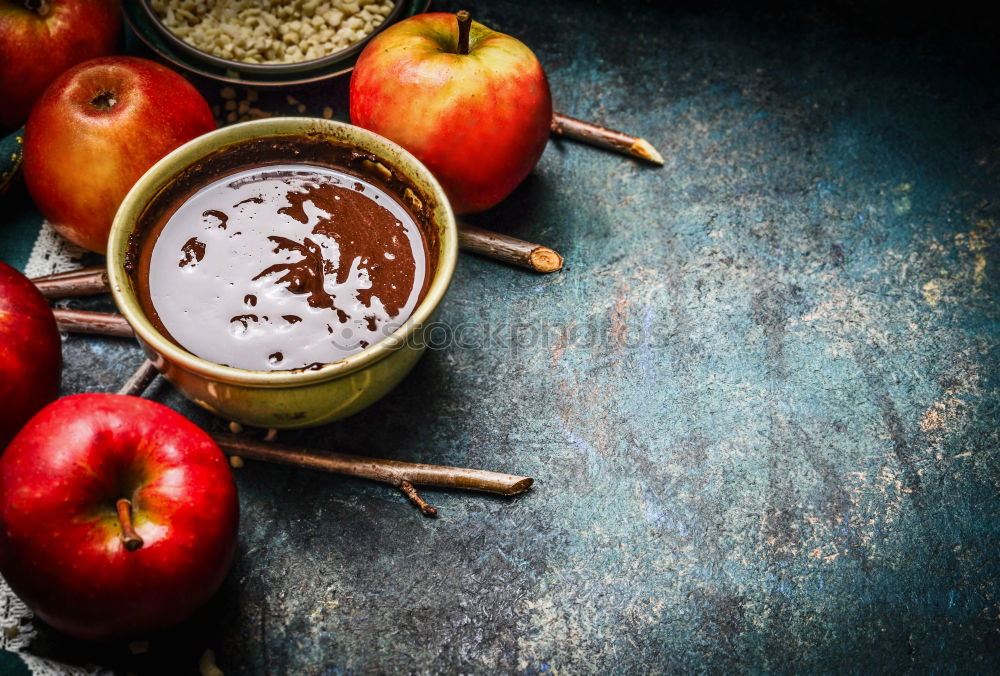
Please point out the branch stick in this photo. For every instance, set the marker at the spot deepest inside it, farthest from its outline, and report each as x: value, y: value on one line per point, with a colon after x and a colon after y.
x: 402, y: 475
x: 65, y: 274
x: 563, y: 125
x: 411, y: 493
x: 487, y: 243
x: 101, y: 323
x: 392, y: 472
x: 508, y: 249
x: 83, y: 282
x: 140, y: 380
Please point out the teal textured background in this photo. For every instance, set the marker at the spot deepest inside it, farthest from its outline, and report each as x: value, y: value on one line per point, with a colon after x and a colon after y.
x: 760, y: 402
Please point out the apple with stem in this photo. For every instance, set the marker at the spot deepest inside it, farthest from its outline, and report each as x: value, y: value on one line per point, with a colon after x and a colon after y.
x: 470, y: 103
x: 118, y: 516
x: 96, y: 130
x: 39, y: 39
x: 30, y: 352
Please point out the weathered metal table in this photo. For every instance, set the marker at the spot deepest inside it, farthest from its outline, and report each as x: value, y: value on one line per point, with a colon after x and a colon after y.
x: 760, y: 402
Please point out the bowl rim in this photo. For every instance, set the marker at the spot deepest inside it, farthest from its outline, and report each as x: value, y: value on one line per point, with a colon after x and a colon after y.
x: 160, y: 174
x: 294, y: 67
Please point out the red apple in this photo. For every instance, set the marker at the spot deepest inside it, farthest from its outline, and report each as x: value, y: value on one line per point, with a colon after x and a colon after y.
x: 118, y: 516
x: 39, y: 39
x: 478, y: 120
x: 30, y: 352
x: 96, y: 130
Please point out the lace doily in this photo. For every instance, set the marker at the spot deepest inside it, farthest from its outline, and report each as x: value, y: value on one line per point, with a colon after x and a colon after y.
x: 52, y: 253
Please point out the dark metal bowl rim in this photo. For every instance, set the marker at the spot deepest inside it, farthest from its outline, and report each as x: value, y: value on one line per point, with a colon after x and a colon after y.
x: 269, y: 68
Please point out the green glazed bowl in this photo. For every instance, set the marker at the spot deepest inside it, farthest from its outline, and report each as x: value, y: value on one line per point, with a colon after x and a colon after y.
x: 285, y: 399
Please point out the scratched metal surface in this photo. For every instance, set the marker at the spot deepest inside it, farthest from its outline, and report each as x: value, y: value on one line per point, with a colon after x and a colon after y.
x: 760, y: 402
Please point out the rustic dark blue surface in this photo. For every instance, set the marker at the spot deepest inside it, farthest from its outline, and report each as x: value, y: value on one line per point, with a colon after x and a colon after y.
x: 760, y: 402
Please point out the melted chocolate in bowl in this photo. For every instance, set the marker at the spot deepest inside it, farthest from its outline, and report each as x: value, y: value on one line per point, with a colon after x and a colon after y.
x: 282, y: 266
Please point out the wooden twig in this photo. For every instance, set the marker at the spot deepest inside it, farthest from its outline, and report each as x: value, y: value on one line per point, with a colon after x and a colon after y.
x: 402, y: 475
x: 411, y: 493
x: 563, y: 125
x: 392, y: 472
x: 140, y: 380
x: 66, y: 274
x: 101, y: 323
x: 508, y: 249
x: 83, y: 282
x: 495, y: 245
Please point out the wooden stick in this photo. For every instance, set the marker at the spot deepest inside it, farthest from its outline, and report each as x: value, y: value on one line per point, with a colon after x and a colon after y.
x: 495, y: 245
x: 392, y: 472
x: 508, y: 249
x: 563, y: 125
x: 83, y: 282
x: 101, y: 323
x: 402, y: 475
x: 411, y: 493
x: 78, y: 272
x: 140, y: 380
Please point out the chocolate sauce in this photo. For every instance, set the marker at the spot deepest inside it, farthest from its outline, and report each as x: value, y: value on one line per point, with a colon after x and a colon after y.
x: 283, y: 267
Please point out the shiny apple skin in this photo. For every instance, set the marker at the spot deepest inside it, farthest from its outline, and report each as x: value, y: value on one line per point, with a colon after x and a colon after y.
x: 60, y: 545
x: 35, y: 49
x: 30, y: 352
x: 479, y: 121
x: 81, y: 158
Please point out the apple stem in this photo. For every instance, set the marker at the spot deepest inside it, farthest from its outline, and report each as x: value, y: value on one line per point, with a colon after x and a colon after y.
x: 464, y: 20
x: 39, y: 7
x: 130, y: 538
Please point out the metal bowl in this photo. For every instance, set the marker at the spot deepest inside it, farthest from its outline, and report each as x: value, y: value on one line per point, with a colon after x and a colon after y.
x: 272, y: 69
x: 284, y: 399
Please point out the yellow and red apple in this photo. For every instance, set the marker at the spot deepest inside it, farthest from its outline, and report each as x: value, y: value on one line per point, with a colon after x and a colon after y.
x: 479, y: 120
x: 98, y: 128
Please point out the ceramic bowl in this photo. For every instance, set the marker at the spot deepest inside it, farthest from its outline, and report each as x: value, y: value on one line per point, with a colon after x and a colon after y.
x: 285, y: 399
